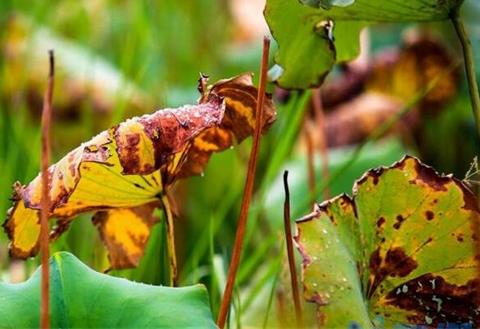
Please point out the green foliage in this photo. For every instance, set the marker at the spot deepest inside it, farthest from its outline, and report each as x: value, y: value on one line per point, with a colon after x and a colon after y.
x: 327, y: 3
x: 391, y: 11
x: 303, y: 33
x: 373, y: 155
x: 401, y: 251
x: 84, y: 298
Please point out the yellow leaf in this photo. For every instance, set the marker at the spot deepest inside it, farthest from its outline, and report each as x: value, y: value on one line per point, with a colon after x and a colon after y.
x: 125, y: 233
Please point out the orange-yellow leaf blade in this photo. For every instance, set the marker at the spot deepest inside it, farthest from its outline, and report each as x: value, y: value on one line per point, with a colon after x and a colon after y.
x: 125, y: 233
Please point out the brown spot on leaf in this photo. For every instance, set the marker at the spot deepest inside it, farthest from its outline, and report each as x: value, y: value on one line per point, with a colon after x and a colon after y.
x: 431, y: 296
x: 429, y: 215
x: 399, y: 220
x: 380, y: 222
x: 460, y: 237
x: 128, y: 151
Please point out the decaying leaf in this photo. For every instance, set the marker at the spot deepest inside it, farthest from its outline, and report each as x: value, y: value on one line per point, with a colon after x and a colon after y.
x: 421, y: 59
x: 403, y: 250
x: 354, y: 121
x: 366, y: 97
x: 121, y: 173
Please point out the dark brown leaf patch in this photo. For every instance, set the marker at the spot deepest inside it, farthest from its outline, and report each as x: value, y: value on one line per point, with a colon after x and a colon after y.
x: 395, y: 263
x: 434, y: 301
x: 470, y: 202
x: 163, y: 134
x: 130, y: 150
x: 374, y: 173
x: 429, y: 215
x: 380, y: 222
x: 399, y: 220
x: 430, y: 177
x: 460, y: 237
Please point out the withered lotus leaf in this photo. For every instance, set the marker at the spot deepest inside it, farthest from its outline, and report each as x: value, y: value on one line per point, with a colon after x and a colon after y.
x: 121, y: 173
x: 402, y: 252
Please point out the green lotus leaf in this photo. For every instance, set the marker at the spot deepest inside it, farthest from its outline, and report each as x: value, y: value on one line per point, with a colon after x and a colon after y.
x: 83, y: 298
x: 314, y: 36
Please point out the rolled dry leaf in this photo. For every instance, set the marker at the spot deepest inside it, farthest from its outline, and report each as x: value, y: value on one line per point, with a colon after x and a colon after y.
x: 123, y: 172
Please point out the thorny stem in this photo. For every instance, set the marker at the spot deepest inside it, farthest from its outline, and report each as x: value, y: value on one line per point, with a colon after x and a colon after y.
x: 290, y: 254
x: 322, y: 137
x: 469, y: 65
x: 248, y: 191
x: 172, y: 254
x: 45, y: 199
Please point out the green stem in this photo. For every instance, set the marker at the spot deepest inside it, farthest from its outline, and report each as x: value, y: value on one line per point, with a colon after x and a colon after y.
x: 172, y: 255
x: 469, y: 65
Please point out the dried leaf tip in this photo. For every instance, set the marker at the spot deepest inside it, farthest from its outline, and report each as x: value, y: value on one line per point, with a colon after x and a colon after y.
x: 203, y: 86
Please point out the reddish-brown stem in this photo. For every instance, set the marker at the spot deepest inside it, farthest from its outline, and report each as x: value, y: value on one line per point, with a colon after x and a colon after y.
x: 310, y: 159
x: 45, y: 200
x: 290, y: 254
x: 247, y: 192
x: 322, y: 137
